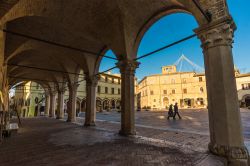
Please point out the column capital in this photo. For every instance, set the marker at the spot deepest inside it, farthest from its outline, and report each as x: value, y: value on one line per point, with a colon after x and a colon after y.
x: 219, y: 33
x: 53, y: 93
x: 61, y: 90
x: 47, y: 94
x: 92, y: 80
x: 128, y: 66
x: 73, y: 86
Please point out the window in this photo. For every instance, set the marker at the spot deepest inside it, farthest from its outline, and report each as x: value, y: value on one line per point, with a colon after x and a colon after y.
x: 243, y: 86
x: 165, y: 92
x: 106, y: 90
x: 200, y: 79
x: 184, y: 80
x: 99, y: 89
x: 113, y: 80
x: 119, y: 81
x: 248, y: 85
x: 119, y: 91
x: 173, y: 91
x: 154, y: 100
x: 37, y: 86
x: 113, y: 90
x: 106, y: 79
x: 151, y: 92
x: 185, y: 91
x: 201, y: 89
x: 173, y: 81
x: 146, y: 93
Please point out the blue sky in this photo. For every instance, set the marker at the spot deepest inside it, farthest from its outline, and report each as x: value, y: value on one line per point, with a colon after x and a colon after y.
x: 176, y: 26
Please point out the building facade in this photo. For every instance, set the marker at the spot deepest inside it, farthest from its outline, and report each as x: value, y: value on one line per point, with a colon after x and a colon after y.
x: 28, y: 100
x: 108, y: 94
x: 188, y: 89
x: 243, y: 88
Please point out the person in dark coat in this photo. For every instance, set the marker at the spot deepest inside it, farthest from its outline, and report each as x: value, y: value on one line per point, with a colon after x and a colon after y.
x: 176, y: 111
x: 170, y: 111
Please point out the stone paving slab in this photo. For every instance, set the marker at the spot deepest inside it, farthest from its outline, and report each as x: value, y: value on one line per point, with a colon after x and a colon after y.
x: 181, y: 139
x: 50, y: 142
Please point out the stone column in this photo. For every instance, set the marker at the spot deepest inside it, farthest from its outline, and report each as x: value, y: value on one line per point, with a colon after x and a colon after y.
x: 127, y: 69
x: 226, y: 138
x: 52, y: 105
x: 72, y: 103
x: 90, y: 114
x: 60, y: 105
x: 47, y: 104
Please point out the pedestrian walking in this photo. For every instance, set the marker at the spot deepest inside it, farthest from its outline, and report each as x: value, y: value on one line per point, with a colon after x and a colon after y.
x: 170, y: 111
x: 176, y: 111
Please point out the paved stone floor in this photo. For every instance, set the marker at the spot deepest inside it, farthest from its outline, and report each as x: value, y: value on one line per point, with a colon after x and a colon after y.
x: 193, y: 121
x: 50, y: 142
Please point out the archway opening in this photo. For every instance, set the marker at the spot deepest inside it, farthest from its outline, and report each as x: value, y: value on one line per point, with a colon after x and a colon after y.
x: 27, y: 99
x: 172, y: 76
x: 109, y: 85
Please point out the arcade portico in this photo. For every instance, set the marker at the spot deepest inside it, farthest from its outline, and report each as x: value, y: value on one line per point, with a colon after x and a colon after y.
x: 61, y: 38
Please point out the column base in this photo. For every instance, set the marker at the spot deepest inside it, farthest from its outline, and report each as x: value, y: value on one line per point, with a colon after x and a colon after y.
x: 71, y: 120
x: 127, y: 133
x: 89, y: 124
x: 236, y: 156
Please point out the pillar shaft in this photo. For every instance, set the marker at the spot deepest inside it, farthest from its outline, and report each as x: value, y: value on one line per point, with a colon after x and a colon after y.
x: 47, y: 105
x: 52, y: 105
x: 60, y: 105
x: 72, y: 103
x: 127, y: 69
x: 90, y: 114
x: 226, y: 138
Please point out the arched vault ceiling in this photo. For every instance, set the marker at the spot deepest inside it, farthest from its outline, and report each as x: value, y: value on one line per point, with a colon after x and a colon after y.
x: 60, y: 58
x: 48, y: 80
x: 39, y: 75
x: 45, y: 29
x: 39, y: 59
x: 91, y: 23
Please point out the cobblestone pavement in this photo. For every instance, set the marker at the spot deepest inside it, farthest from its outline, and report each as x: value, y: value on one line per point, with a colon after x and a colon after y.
x: 50, y: 142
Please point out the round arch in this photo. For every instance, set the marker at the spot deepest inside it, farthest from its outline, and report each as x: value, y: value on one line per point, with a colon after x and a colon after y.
x: 106, y: 104
x: 246, y: 100
x: 156, y: 17
x: 99, y: 107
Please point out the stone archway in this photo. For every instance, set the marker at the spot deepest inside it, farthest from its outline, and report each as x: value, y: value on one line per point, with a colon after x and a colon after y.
x: 106, y: 105
x: 246, y: 100
x: 78, y: 106
x: 83, y: 105
x: 113, y: 104
x: 165, y: 102
x: 118, y: 104
x: 99, y: 105
x: 217, y: 39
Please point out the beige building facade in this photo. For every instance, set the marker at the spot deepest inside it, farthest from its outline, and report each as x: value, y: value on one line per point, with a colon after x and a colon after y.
x: 188, y: 89
x: 243, y: 88
x: 28, y: 99
x: 108, y: 94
